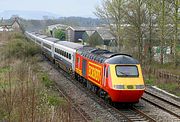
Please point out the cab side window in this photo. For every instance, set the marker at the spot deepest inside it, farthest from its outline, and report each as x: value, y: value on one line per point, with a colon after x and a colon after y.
x: 108, y: 72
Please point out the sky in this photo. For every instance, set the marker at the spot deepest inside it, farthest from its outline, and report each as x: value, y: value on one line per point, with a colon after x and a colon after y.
x: 83, y: 8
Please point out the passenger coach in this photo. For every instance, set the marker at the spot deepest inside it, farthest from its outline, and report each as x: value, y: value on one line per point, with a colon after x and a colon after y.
x: 64, y: 54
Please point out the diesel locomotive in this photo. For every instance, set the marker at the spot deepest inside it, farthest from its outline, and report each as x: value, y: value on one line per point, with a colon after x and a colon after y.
x: 115, y: 77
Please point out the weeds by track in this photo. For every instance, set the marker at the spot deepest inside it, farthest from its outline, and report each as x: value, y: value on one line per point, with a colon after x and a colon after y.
x: 83, y: 116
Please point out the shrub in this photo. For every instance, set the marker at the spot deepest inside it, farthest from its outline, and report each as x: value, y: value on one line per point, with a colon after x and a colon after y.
x: 46, y: 81
x: 19, y: 47
x: 59, y: 34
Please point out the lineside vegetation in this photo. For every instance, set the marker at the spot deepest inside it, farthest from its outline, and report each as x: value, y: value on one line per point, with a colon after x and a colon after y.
x: 26, y: 91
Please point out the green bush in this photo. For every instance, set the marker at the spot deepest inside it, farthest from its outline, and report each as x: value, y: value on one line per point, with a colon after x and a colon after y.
x: 5, y: 69
x: 59, y: 34
x: 56, y: 101
x: 149, y: 81
x: 19, y: 47
x: 46, y: 81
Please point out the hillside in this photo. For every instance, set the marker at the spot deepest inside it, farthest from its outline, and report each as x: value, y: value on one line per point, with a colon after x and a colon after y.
x: 37, y: 15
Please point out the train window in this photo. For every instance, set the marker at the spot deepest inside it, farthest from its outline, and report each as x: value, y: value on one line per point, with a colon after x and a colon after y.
x: 67, y: 55
x: 107, y: 72
x: 47, y: 45
x: 70, y: 56
x: 62, y: 53
x: 127, y: 71
x: 104, y: 70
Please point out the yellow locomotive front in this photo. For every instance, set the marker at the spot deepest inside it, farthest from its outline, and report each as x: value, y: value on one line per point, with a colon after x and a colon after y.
x: 125, y: 79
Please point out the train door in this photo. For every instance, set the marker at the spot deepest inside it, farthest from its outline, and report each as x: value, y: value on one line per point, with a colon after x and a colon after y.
x: 84, y: 64
x: 73, y: 59
x: 52, y: 50
x: 106, y: 75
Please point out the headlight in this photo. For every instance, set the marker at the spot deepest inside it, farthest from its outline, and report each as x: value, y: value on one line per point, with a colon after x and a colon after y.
x: 118, y: 86
x: 140, y: 86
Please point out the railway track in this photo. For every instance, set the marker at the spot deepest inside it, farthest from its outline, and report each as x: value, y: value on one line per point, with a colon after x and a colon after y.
x: 83, y: 117
x: 165, y: 105
x: 130, y: 114
x: 135, y: 115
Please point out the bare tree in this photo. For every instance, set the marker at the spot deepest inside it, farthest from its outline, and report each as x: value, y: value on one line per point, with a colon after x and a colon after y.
x: 175, y: 5
x: 136, y: 18
x: 142, y: 24
x: 113, y: 12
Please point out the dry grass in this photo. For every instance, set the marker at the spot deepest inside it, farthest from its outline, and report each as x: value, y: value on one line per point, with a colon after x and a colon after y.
x: 24, y: 97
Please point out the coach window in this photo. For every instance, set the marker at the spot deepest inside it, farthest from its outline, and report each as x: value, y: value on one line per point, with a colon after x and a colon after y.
x: 66, y: 55
x: 70, y: 56
x: 61, y: 52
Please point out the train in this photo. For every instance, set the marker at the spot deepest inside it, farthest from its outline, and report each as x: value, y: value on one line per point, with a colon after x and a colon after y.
x: 115, y: 77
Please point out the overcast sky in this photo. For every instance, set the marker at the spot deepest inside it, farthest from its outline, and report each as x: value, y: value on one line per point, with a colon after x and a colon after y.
x: 84, y: 8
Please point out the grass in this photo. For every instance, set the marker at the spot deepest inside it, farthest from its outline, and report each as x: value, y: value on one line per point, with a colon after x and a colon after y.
x: 25, y: 90
x: 20, y: 48
x: 5, y: 69
x: 172, y: 87
x: 46, y: 81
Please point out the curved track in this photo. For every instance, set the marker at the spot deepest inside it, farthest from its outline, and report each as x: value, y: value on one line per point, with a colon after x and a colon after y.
x: 136, y: 115
x: 168, y: 106
x: 83, y: 117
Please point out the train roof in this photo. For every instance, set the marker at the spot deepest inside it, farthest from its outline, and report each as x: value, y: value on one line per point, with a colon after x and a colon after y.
x: 106, y: 56
x: 42, y: 36
x: 71, y: 45
x: 52, y: 39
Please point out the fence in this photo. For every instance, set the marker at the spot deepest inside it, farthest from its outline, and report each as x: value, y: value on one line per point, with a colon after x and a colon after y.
x: 161, y: 74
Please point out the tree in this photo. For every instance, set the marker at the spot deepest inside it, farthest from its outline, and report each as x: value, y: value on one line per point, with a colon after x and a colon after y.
x: 95, y: 40
x: 175, y: 5
x: 164, y: 28
x: 142, y: 24
x: 112, y: 11
x: 150, y: 28
x: 59, y: 34
x: 136, y: 18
